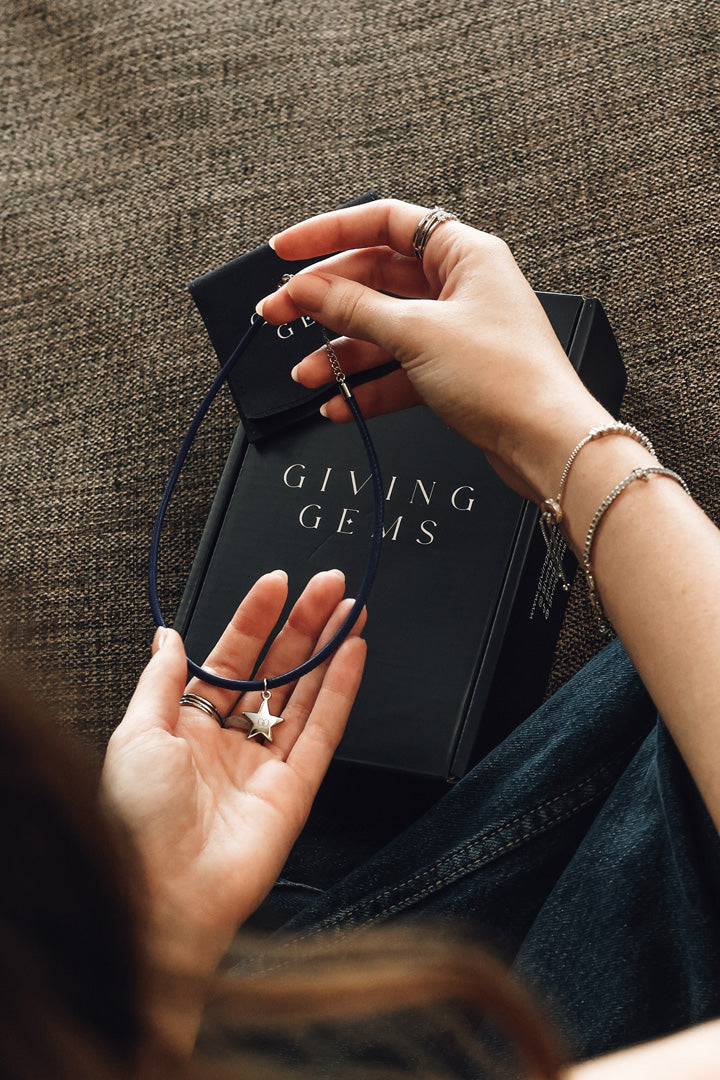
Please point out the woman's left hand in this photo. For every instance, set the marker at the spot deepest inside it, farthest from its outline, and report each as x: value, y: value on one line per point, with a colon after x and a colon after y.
x: 214, y: 814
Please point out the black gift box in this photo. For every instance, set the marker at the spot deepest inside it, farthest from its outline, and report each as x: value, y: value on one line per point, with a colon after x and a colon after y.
x: 466, y: 607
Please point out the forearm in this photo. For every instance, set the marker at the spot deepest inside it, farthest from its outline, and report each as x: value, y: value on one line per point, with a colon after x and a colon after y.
x: 484, y: 357
x: 691, y: 1054
x: 183, y: 954
x: 175, y: 1010
x: 656, y: 562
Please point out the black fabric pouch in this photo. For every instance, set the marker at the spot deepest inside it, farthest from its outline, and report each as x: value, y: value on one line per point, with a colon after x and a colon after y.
x: 266, y: 397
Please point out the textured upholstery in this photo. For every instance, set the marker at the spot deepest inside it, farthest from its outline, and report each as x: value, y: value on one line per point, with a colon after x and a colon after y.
x: 146, y: 141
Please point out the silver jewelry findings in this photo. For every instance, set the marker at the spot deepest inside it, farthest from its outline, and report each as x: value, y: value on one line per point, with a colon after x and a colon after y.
x: 600, y: 432
x: 335, y: 365
x: 551, y: 513
x: 258, y: 723
x: 427, y: 226
x: 636, y: 474
x: 201, y: 703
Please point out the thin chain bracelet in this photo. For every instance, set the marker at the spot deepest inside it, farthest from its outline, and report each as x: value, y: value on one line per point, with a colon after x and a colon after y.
x: 551, y: 513
x: 598, y: 433
x: 636, y: 474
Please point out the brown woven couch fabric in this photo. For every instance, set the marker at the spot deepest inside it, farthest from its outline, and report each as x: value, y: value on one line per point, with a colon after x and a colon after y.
x: 146, y: 141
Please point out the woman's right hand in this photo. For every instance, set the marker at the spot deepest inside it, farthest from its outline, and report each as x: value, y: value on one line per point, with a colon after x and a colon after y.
x: 469, y: 333
x: 474, y: 343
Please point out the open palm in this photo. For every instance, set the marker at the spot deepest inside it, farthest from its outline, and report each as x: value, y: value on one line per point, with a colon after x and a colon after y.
x: 214, y: 813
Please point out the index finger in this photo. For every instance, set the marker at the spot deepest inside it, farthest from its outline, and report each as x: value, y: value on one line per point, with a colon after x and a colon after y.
x: 382, y: 222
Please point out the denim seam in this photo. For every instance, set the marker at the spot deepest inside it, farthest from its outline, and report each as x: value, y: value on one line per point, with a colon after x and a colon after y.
x: 300, y: 885
x: 497, y: 829
x: 471, y: 867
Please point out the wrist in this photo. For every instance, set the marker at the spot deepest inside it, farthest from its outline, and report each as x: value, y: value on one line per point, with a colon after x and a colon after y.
x: 601, y: 465
x: 183, y: 957
x: 541, y: 453
x: 179, y: 943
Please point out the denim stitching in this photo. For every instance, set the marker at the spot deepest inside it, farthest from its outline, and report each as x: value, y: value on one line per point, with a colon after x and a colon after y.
x: 484, y: 837
x: 300, y: 885
x: 472, y: 867
x: 340, y: 917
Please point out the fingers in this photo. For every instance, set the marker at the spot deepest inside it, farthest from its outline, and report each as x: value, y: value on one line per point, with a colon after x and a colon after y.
x: 236, y: 652
x: 305, y: 692
x: 391, y: 393
x: 387, y: 394
x: 301, y: 695
x: 313, y: 750
x: 345, y: 306
x: 380, y: 269
x: 382, y: 222
x: 348, y: 292
x: 160, y: 687
x: 353, y: 356
x: 307, y: 623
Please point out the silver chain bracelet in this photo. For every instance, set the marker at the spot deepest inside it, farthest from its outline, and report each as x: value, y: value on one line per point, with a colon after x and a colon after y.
x: 551, y: 512
x: 636, y: 474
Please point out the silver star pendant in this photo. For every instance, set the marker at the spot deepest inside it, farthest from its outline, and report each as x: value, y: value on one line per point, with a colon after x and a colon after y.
x: 262, y: 721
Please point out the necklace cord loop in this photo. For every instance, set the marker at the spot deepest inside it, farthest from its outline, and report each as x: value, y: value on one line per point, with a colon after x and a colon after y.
x: 244, y: 685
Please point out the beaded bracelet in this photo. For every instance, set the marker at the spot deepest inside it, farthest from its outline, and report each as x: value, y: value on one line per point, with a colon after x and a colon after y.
x: 636, y: 474
x: 551, y: 513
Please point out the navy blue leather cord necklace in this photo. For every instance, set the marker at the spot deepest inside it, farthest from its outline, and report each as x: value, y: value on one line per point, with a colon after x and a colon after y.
x: 265, y: 685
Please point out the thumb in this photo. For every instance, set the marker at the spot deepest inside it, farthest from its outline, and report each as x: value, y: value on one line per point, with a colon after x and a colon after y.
x: 349, y: 308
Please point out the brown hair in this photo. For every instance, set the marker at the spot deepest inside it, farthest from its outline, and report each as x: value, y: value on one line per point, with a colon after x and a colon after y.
x: 385, y: 1003
x: 68, y: 905
x: 421, y: 996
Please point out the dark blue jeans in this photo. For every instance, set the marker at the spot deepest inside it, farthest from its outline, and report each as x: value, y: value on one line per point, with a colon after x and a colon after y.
x: 579, y: 848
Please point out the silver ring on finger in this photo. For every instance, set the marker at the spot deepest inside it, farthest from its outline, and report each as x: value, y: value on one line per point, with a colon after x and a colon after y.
x: 194, y: 701
x: 427, y: 226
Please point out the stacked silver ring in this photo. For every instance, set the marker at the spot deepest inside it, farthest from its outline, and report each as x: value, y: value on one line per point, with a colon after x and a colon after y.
x: 427, y: 226
x: 201, y: 703
x: 240, y: 723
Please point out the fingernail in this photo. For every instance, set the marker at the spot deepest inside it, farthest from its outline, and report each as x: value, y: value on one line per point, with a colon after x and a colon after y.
x: 161, y: 636
x: 259, y: 307
x: 323, y: 411
x: 281, y: 574
x: 271, y: 242
x: 293, y: 373
x: 309, y: 290
x: 337, y: 572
